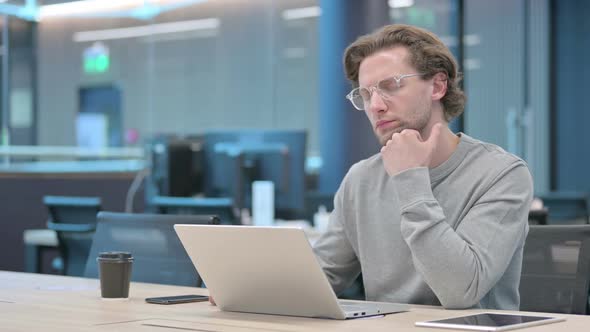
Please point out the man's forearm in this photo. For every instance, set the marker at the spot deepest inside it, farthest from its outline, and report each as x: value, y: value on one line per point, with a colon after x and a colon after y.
x: 460, y: 265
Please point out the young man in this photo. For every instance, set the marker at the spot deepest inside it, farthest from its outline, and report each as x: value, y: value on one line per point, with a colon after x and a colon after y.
x: 434, y: 218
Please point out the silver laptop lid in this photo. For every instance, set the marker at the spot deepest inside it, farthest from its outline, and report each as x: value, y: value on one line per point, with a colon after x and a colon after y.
x: 267, y: 270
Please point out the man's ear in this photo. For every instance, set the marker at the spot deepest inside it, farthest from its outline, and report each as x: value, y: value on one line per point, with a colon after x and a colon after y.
x: 439, y: 86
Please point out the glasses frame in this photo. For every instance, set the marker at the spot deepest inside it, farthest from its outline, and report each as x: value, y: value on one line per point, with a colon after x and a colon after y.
x: 398, y: 81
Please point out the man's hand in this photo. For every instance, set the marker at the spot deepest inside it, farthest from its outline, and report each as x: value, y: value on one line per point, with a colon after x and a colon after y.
x: 212, y: 300
x: 407, y: 150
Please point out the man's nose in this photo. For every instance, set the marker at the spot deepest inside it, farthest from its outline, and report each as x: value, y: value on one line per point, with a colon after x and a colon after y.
x: 376, y: 103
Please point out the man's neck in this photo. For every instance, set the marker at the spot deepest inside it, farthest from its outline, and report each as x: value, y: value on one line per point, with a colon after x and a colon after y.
x: 447, y: 144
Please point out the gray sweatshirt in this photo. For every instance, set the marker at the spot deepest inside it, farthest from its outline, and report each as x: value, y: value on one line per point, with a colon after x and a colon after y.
x: 451, y: 235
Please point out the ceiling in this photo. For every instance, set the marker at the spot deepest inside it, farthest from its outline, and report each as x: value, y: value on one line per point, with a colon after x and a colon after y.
x: 36, y: 10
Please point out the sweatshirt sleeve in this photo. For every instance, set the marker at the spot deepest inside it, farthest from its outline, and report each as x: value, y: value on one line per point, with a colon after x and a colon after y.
x: 333, y: 249
x: 461, y: 265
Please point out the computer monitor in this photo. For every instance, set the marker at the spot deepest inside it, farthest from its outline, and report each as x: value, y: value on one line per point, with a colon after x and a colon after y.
x: 234, y: 159
x: 175, y: 166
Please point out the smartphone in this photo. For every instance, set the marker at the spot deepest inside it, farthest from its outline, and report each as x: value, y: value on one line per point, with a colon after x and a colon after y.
x: 177, y: 299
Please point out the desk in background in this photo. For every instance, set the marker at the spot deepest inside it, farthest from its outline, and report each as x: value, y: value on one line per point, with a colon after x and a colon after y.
x: 35, y: 302
x: 22, y: 187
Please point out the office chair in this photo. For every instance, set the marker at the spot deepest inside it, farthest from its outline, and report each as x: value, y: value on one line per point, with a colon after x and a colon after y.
x: 158, y: 255
x: 74, y: 221
x: 556, y: 269
x: 222, y: 207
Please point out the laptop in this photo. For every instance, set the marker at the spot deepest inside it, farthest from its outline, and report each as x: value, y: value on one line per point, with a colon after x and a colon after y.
x: 268, y: 270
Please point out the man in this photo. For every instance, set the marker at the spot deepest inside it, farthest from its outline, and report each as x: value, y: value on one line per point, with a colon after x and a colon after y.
x: 434, y: 218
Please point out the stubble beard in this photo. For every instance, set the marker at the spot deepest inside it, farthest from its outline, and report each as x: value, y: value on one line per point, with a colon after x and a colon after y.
x: 385, y: 137
x: 419, y: 124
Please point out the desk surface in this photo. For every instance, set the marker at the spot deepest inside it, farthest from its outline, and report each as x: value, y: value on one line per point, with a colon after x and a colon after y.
x: 35, y: 302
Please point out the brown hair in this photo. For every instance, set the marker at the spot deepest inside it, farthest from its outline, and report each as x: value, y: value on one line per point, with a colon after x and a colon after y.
x: 428, y: 55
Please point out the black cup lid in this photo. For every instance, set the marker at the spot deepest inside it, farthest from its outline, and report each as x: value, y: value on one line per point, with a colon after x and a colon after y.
x: 115, y: 255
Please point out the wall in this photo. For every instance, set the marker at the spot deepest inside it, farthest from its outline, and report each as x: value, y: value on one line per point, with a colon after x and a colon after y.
x: 571, y: 50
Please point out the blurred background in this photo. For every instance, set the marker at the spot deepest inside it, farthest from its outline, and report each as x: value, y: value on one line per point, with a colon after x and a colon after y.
x: 156, y: 105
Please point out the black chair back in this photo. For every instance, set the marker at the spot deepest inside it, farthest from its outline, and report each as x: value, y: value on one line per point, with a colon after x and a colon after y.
x: 222, y: 207
x: 159, y: 256
x: 556, y: 269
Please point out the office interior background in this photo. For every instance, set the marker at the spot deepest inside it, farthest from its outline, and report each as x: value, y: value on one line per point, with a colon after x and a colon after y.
x: 117, y: 99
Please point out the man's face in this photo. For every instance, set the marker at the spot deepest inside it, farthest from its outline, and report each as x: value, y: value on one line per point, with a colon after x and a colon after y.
x: 410, y: 107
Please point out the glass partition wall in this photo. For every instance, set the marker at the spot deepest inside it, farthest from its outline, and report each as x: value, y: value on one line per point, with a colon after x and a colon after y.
x: 212, y: 64
x: 116, y: 76
x: 503, y: 51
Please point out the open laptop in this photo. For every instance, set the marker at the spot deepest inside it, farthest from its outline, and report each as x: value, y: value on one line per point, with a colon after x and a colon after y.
x: 268, y: 270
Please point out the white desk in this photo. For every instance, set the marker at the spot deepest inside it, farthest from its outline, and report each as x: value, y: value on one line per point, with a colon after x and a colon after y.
x: 35, y: 302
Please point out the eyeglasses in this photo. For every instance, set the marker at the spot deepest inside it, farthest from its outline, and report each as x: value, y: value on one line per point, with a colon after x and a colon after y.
x: 361, y: 96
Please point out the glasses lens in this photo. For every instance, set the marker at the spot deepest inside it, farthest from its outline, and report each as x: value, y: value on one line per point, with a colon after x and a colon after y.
x: 364, y: 98
x: 356, y: 99
x: 388, y: 87
x: 365, y: 94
